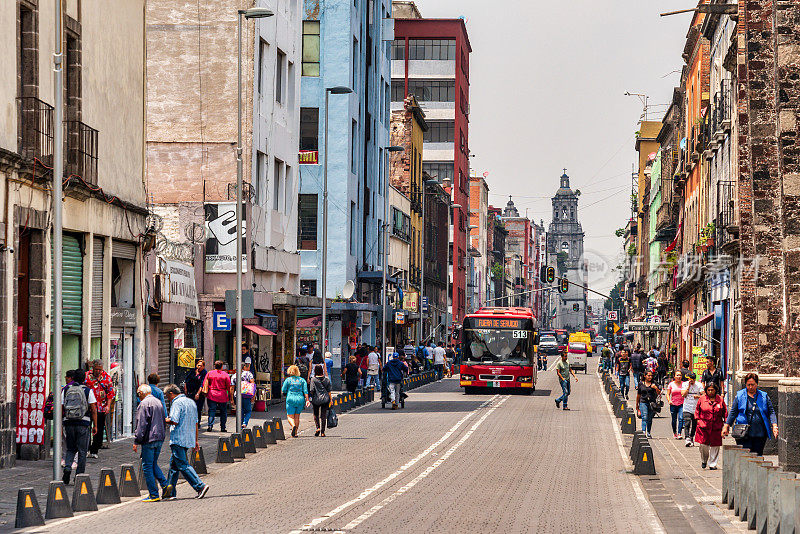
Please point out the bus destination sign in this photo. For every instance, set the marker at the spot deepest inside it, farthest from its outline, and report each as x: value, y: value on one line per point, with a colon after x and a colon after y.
x: 516, y: 324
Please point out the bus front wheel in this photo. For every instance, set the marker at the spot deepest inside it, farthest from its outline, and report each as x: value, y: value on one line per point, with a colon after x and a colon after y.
x: 469, y: 390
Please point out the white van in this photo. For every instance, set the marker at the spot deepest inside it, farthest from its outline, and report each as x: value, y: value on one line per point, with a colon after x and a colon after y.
x: 576, y: 355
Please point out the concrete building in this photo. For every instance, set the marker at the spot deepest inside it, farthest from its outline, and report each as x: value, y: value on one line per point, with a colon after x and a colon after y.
x: 646, y: 147
x: 430, y: 59
x: 520, y: 243
x: 191, y: 174
x: 565, y: 252
x: 438, y: 209
x: 496, y: 247
x: 346, y: 44
x: 401, y: 295
x: 478, y: 243
x: 103, y: 208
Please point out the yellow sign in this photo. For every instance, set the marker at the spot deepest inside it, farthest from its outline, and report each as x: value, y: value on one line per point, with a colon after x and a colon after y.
x: 411, y: 301
x: 58, y: 494
x: 28, y: 503
x: 699, y: 361
x: 616, y: 328
x: 84, y: 491
x: 108, y: 480
x: 186, y: 357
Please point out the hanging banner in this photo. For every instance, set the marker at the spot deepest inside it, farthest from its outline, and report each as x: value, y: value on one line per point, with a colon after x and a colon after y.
x: 32, y: 387
x: 221, y: 241
x: 181, y: 288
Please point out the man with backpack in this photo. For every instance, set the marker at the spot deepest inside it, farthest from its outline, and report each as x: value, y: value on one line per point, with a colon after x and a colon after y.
x: 637, y: 365
x: 303, y: 363
x: 80, y: 422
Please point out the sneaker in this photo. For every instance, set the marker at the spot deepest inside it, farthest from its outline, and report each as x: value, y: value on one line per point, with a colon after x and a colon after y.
x: 92, y: 455
x: 676, y: 436
x: 202, y: 492
x: 712, y: 468
x: 704, y: 465
x: 168, y: 494
x: 558, y: 403
x: 649, y: 435
x: 565, y: 407
x: 688, y: 443
x: 224, y: 431
x: 151, y: 499
x: 65, y: 477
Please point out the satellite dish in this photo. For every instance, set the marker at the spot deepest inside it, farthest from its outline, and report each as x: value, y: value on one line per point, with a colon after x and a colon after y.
x: 349, y: 289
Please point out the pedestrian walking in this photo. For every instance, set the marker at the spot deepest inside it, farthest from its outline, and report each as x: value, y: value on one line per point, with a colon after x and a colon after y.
x: 100, y: 382
x: 303, y: 362
x: 674, y: 393
x: 450, y: 360
x: 713, y: 374
x: 646, y: 394
x: 320, y: 399
x: 663, y: 365
x: 152, y: 380
x: 193, y: 385
x: 563, y: 370
x: 623, y: 373
x: 637, y: 367
x: 605, y: 358
x: 184, y: 423
x: 710, y: 414
x: 248, y: 391
x: 439, y: 360
x: 396, y: 369
x: 79, y: 408
x: 295, y: 388
x: 691, y: 392
x: 685, y: 369
x: 373, y: 369
x: 752, y: 417
x: 316, y: 358
x: 219, y: 392
x: 351, y: 374
x: 150, y: 433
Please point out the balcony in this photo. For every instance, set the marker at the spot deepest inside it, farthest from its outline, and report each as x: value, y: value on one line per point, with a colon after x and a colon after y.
x: 665, y: 223
x: 81, y: 160
x: 641, y: 287
x: 726, y: 229
x: 35, y: 130
x: 722, y: 112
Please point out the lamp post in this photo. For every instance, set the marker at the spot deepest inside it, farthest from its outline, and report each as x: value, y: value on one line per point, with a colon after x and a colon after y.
x: 58, y: 174
x: 421, y: 330
x: 385, y: 237
x: 252, y: 13
x: 339, y: 90
x: 450, y: 222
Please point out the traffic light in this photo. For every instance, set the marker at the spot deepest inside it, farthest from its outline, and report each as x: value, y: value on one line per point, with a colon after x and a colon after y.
x: 563, y: 285
x: 550, y: 275
x: 543, y: 273
x: 576, y: 307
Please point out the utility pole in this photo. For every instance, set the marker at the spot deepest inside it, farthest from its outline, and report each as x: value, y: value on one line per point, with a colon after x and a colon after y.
x: 58, y: 175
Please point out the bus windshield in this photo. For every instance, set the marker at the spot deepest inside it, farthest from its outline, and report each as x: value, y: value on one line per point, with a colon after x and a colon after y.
x: 498, y: 347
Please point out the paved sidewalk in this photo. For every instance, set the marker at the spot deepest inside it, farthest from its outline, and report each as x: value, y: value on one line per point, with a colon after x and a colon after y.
x: 38, y: 474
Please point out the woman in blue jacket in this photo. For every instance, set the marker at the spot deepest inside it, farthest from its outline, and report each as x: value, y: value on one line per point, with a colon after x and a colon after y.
x: 752, y: 407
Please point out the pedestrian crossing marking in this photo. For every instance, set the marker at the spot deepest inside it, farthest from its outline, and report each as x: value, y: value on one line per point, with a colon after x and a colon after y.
x: 28, y: 503
x: 58, y: 494
x: 108, y: 480
x: 644, y: 458
x: 127, y: 476
x: 84, y: 491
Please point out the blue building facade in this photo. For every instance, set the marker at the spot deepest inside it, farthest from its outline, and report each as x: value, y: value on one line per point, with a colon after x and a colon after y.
x: 345, y: 43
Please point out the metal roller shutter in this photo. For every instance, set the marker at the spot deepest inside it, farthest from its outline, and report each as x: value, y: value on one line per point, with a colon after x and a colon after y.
x: 123, y: 249
x: 97, y: 288
x: 72, y: 280
x: 164, y: 356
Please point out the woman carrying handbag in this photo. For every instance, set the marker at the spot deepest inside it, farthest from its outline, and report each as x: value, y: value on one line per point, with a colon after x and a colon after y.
x: 752, y: 417
x: 320, y: 398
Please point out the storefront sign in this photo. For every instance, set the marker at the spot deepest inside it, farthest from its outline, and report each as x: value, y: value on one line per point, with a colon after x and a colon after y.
x: 32, y: 388
x: 123, y: 317
x: 366, y: 318
x: 181, y: 288
x: 399, y: 317
x: 221, y: 238
x: 309, y: 157
x: 411, y: 301
x: 221, y: 321
x: 186, y: 357
x: 699, y: 363
x: 178, y: 337
x: 648, y: 327
x: 270, y: 322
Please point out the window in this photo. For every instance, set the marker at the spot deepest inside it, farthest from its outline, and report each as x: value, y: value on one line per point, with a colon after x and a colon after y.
x: 279, y: 61
x: 290, y: 85
x: 440, y: 132
x: 399, y: 49
x: 433, y: 90
x: 311, y: 48
x: 261, y: 178
x: 462, y: 142
x: 308, y: 287
x: 276, y: 185
x: 288, y: 193
x: 355, y: 77
x: 439, y: 170
x: 401, y: 224
x: 307, y: 222
x: 398, y: 90
x: 309, y: 128
x: 354, y: 147
x: 425, y: 49
x: 565, y: 247
x: 353, y: 229
x: 263, y: 51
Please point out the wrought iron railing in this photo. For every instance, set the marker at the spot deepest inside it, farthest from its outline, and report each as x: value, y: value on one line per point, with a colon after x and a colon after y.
x: 82, y: 141
x: 35, y: 130
x: 725, y: 213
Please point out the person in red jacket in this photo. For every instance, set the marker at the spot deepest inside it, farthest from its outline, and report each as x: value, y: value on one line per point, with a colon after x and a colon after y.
x: 710, y: 415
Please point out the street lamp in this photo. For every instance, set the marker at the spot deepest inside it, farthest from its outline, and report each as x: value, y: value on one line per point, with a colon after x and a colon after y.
x: 252, y: 13
x: 421, y: 330
x: 451, y: 222
x: 385, y: 237
x: 338, y: 90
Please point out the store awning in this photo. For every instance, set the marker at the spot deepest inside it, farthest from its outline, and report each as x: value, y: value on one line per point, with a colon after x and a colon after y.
x: 259, y: 330
x: 703, y: 320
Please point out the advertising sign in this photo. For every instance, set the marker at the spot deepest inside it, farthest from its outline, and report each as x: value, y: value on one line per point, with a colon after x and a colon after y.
x: 411, y: 301
x: 32, y: 389
x: 309, y: 157
x: 699, y: 360
x: 221, y: 237
x: 221, y: 321
x: 187, y: 357
x: 399, y: 317
x: 182, y: 289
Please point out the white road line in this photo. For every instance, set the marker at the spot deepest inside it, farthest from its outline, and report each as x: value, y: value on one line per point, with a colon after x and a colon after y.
x: 369, y: 513
x: 369, y: 491
x: 655, y: 524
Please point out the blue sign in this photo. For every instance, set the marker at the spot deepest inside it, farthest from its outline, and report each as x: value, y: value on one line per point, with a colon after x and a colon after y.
x: 424, y: 304
x: 221, y: 321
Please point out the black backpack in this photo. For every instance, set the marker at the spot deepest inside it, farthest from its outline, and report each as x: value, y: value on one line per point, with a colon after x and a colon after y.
x: 302, y: 364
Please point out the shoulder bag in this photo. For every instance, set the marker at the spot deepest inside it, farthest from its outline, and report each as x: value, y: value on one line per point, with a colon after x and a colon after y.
x: 740, y: 430
x: 333, y: 419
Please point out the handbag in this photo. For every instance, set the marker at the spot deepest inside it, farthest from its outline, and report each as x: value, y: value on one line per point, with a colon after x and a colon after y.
x: 333, y: 419
x: 740, y: 430
x: 248, y: 389
x: 321, y: 395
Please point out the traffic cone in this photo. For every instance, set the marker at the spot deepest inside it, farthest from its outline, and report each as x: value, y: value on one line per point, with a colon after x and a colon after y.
x: 57, y: 501
x: 28, y: 512
x: 278, y: 425
x: 269, y: 433
x: 83, y: 496
x: 258, y: 437
x: 224, y: 452
x: 107, y: 491
x: 128, y: 485
x: 237, y: 452
x: 198, y: 461
x: 644, y: 464
x: 248, y: 445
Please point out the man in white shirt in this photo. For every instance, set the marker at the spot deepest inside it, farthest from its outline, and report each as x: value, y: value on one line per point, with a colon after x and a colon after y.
x: 373, y: 369
x: 439, y: 359
x: 691, y: 392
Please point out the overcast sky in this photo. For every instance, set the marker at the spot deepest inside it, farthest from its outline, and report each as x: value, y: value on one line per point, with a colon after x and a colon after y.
x: 547, y: 84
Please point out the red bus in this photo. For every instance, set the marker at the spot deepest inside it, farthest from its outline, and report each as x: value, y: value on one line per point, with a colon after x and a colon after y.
x: 498, y: 349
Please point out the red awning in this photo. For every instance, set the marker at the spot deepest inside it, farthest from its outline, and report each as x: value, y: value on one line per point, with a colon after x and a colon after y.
x: 261, y: 331
x: 703, y: 320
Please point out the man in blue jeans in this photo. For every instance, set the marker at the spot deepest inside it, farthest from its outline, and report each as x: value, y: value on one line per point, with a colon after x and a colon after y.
x: 182, y: 437
x: 563, y: 370
x: 150, y: 433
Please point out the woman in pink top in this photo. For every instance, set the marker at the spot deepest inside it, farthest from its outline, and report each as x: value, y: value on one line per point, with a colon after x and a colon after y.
x: 674, y: 392
x: 219, y: 391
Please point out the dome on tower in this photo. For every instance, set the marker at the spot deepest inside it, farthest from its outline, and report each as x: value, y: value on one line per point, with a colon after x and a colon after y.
x: 564, y: 189
x: 510, y: 210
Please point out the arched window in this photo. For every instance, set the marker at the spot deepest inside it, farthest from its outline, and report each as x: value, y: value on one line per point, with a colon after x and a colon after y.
x: 565, y: 247
x: 555, y: 214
